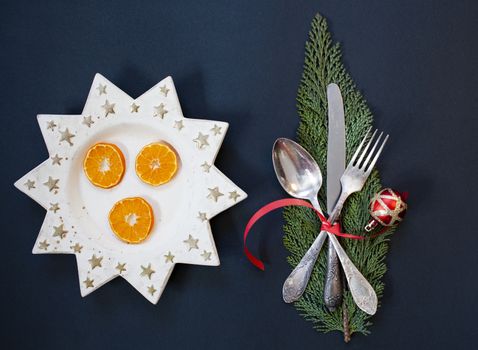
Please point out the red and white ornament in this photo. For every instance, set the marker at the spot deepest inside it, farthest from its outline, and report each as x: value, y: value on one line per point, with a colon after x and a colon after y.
x: 387, y: 208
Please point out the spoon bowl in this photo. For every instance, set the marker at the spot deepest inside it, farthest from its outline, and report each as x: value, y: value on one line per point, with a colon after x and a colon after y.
x: 297, y: 172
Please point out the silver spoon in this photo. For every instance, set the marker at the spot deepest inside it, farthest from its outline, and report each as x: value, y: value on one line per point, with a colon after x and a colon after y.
x: 297, y: 171
x: 300, y: 176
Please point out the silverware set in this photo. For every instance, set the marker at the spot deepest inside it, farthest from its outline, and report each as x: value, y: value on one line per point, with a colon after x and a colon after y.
x: 300, y: 176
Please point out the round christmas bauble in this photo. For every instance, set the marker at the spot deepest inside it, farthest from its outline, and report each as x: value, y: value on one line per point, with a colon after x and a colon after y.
x: 387, y: 208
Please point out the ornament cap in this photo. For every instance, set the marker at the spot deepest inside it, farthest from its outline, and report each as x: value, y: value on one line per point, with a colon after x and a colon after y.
x: 371, y: 225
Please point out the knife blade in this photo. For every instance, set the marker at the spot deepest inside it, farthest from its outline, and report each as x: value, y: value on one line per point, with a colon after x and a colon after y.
x: 335, y: 145
x: 335, y: 169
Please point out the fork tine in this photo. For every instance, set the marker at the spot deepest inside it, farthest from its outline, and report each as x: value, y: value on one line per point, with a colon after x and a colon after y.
x: 372, y: 164
x: 364, y: 153
x: 370, y: 154
x: 359, y: 147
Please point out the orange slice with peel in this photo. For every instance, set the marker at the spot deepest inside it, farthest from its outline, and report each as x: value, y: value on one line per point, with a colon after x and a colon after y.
x: 104, y: 165
x: 156, y: 164
x: 131, y: 219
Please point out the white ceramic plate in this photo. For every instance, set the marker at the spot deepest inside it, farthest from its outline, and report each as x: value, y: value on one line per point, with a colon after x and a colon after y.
x: 77, y: 212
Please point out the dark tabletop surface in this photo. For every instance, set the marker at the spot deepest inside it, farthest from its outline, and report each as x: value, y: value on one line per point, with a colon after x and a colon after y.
x: 240, y: 62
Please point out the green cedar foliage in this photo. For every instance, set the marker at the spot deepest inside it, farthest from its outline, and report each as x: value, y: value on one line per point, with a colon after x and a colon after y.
x: 323, y: 66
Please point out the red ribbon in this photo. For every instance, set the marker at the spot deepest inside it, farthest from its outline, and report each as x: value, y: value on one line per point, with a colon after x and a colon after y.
x: 326, y: 226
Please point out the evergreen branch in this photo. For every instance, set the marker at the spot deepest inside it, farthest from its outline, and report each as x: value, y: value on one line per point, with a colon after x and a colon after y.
x: 323, y: 65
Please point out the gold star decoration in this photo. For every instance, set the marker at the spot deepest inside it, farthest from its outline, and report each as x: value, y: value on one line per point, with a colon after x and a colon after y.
x: 59, y: 231
x: 66, y: 136
x: 121, y: 267
x: 134, y: 108
x: 192, y: 242
x: 216, y: 130
x: 56, y: 160
x: 160, y: 111
x: 88, y: 121
x: 164, y: 90
x: 88, y: 282
x: 51, y: 125
x: 234, y: 195
x: 147, y: 271
x: 151, y: 290
x: 202, y: 216
x: 52, y: 183
x: 101, y: 89
x: 77, y: 248
x: 30, y: 184
x: 95, y: 261
x: 54, y: 207
x: 214, y: 193
x: 178, y: 124
x: 109, y: 108
x: 201, y: 140
x: 43, y: 245
x: 205, y: 167
x: 169, y: 258
x: 206, y: 255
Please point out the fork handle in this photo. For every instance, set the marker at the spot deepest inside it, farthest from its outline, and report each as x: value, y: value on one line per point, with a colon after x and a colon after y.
x: 361, y: 290
x: 338, y: 207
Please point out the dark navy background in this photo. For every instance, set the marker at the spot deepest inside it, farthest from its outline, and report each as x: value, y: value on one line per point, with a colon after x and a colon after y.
x: 241, y: 62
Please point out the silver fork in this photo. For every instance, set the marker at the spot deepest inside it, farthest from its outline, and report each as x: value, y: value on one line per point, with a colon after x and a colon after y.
x: 358, y: 170
x: 352, y: 180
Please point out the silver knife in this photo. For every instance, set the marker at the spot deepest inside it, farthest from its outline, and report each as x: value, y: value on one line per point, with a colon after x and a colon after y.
x: 361, y: 290
x: 335, y: 168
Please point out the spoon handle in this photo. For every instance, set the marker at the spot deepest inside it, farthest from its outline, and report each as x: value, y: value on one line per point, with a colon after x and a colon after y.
x: 295, y: 284
x: 362, y: 292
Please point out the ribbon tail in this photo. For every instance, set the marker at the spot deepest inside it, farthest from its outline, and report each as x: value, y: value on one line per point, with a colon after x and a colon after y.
x: 255, y: 261
x: 259, y: 214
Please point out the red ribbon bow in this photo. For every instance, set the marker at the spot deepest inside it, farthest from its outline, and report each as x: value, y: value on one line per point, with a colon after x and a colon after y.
x: 334, y: 229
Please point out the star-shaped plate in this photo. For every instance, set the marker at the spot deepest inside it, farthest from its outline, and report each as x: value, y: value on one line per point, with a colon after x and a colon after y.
x: 77, y: 212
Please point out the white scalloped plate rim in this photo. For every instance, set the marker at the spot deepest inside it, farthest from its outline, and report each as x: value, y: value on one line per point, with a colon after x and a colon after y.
x: 77, y: 212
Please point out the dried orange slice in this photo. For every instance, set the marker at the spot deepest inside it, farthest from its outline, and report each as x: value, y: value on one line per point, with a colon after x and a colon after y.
x: 156, y: 164
x: 104, y: 165
x: 131, y: 219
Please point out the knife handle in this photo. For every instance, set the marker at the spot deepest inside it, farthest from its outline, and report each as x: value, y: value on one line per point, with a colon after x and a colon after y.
x: 333, y: 280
